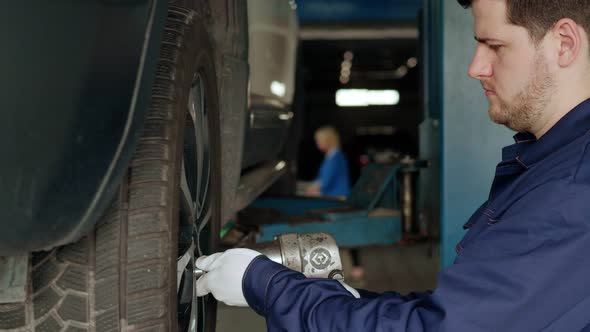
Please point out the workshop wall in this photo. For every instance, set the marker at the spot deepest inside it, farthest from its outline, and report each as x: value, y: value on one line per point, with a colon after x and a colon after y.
x: 471, y: 143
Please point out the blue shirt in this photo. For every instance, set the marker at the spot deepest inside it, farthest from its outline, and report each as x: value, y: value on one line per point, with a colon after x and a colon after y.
x: 523, y: 265
x: 333, y: 175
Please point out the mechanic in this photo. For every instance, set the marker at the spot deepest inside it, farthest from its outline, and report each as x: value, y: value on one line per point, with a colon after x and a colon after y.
x: 524, y: 264
x: 332, y: 179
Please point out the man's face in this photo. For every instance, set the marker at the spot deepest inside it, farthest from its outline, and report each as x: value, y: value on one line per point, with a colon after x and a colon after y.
x: 512, y: 69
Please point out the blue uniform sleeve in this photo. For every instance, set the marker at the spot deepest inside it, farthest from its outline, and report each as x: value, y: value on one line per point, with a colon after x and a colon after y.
x: 528, y: 272
x: 292, y: 302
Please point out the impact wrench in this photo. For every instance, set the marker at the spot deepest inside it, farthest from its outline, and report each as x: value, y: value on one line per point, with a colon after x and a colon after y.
x: 315, y: 255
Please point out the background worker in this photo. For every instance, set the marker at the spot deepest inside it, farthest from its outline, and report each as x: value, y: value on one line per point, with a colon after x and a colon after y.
x: 333, y: 179
x: 523, y: 264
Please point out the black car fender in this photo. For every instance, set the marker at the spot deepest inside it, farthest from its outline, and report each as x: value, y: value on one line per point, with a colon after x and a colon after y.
x: 76, y: 85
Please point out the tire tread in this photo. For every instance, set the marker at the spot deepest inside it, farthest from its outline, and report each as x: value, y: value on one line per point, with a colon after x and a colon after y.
x: 119, y: 277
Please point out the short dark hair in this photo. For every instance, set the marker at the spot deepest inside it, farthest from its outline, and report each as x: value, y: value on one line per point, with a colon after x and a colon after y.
x: 538, y: 16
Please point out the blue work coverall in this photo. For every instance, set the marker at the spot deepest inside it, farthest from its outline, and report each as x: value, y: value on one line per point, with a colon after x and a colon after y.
x: 333, y: 175
x: 524, y: 264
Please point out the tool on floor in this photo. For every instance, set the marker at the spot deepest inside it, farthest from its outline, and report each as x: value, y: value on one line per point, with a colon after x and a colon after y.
x: 315, y: 255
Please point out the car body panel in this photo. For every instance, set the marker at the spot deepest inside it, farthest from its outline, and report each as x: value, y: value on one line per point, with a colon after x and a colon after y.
x: 272, y: 55
x: 272, y: 29
x: 76, y: 87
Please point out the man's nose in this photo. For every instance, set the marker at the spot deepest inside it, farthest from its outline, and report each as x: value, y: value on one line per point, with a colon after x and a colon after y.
x: 481, y: 65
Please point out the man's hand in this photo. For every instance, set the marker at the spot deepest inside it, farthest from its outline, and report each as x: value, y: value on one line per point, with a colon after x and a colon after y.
x: 225, y: 271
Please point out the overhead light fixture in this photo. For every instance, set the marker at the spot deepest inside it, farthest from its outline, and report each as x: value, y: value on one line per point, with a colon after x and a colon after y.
x: 365, y: 97
x: 286, y: 116
x: 412, y: 62
x: 280, y: 165
x: 278, y: 88
x: 348, y: 55
x: 401, y: 72
x: 346, y: 67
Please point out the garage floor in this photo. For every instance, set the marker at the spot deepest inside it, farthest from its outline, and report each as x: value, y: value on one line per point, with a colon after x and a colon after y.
x: 403, y: 269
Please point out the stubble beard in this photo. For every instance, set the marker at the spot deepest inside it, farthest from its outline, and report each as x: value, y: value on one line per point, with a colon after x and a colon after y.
x: 525, y: 109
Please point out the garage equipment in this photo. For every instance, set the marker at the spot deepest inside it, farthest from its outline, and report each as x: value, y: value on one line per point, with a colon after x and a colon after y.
x: 408, y: 175
x: 315, y: 255
x: 370, y: 216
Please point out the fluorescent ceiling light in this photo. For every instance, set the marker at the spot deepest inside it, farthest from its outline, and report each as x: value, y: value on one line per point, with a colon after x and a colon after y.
x: 364, y: 97
x: 286, y: 116
x: 278, y: 88
x: 280, y: 165
x: 401, y: 72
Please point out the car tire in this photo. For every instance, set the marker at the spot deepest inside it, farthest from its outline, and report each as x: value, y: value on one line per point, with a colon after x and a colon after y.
x: 125, y: 275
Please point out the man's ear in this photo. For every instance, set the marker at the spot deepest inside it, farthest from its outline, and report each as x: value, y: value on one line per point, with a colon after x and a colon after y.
x: 569, y: 37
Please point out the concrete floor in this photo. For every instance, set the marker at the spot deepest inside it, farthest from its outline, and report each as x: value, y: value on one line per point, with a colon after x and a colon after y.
x: 402, y: 269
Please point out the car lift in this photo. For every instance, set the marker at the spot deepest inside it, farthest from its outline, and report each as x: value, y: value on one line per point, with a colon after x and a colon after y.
x: 370, y: 216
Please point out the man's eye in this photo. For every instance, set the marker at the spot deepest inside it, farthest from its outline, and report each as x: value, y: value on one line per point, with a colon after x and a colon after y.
x: 495, y: 47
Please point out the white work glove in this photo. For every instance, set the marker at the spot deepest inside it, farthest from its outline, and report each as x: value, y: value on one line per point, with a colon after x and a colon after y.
x: 351, y: 290
x: 225, y: 271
